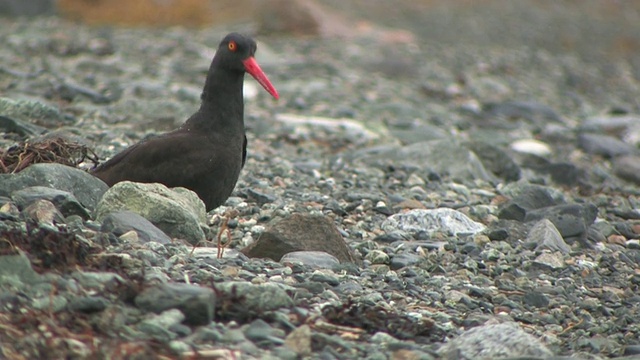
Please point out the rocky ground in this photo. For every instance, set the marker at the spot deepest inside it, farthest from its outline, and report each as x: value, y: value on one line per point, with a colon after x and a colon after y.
x: 465, y: 199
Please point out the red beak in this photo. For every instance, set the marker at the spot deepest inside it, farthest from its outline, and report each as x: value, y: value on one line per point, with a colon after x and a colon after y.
x: 252, y: 67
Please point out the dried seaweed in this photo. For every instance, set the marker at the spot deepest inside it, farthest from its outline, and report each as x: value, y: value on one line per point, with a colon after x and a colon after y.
x: 47, y: 248
x: 378, y: 318
x: 57, y: 150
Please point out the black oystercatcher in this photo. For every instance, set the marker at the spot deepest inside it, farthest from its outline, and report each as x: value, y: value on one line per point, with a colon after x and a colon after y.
x: 208, y: 151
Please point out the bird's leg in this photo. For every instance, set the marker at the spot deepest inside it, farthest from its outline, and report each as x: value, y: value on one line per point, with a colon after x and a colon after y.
x: 221, y: 246
x: 228, y: 215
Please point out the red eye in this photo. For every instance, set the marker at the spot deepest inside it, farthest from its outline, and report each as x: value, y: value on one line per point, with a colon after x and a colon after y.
x: 232, y: 45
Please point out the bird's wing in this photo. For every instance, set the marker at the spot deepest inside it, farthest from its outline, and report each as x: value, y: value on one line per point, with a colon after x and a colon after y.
x: 178, y: 155
x: 244, y: 150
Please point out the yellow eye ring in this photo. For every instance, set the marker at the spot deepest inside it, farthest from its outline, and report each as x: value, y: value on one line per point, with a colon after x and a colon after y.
x: 232, y: 45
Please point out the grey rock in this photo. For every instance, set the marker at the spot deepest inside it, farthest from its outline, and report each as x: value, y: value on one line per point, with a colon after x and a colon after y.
x: 97, y: 280
x: 631, y: 350
x: 53, y: 303
x: 620, y: 124
x: 64, y: 201
x: 260, y: 331
x: 604, y: 145
x: 22, y: 128
x: 493, y: 342
x: 377, y: 257
x: 88, y: 304
x: 444, y: 220
x: 284, y: 353
x: 532, y: 111
x: 495, y: 160
x: 195, y: 302
x: 415, y: 133
x: 444, y: 157
x: 121, y: 222
x: 566, y: 174
x: 403, y: 259
x: 325, y: 277
x: 547, y: 236
x: 536, y: 299
x: 234, y: 336
x: 628, y: 168
x: 594, y: 235
x: 540, y: 195
x: 43, y: 212
x: 247, y: 300
x: 549, y: 261
x: 30, y: 110
x: 178, y: 211
x: 27, y: 8
x: 85, y: 187
x: 261, y: 197
x: 158, y: 326
x: 569, y: 219
x: 17, y: 268
x: 300, y: 233
x: 524, y: 197
x: 312, y: 259
x: 299, y: 340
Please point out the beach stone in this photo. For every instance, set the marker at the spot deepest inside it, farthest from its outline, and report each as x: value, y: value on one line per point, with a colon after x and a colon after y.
x: 312, y: 259
x: 300, y: 232
x: 121, y: 222
x: 547, y: 236
x: 494, y: 341
x: 447, y: 221
x: 64, y: 201
x: 86, y: 188
x: 197, y: 303
x: 178, y: 212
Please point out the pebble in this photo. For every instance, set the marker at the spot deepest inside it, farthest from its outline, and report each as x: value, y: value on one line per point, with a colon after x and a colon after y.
x: 445, y: 209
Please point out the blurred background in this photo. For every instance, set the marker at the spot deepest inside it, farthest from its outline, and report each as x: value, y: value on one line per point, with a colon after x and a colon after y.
x: 592, y: 28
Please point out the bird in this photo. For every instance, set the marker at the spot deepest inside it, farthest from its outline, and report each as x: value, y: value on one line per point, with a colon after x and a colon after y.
x: 206, y: 153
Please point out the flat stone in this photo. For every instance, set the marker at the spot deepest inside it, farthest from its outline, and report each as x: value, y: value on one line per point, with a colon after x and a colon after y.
x: 178, y: 212
x: 64, y: 201
x: 494, y: 341
x: 445, y: 157
x: 22, y: 128
x: 300, y: 233
x: 43, y: 212
x: 195, y: 302
x: 245, y: 299
x: 604, y: 145
x: 569, y: 219
x: 30, y: 110
x: 260, y: 331
x: 88, y: 304
x: 312, y: 259
x: 404, y: 259
x: 121, y: 222
x: 299, y: 340
x: 159, y: 326
x: 448, y: 221
x: 628, y: 168
x: 495, y: 160
x: 524, y: 197
x: 17, y: 267
x: 549, y: 261
x: 547, y: 236
x: 85, y: 187
x: 532, y: 111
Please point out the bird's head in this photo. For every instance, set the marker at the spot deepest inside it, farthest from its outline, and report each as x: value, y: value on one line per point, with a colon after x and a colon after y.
x: 236, y: 52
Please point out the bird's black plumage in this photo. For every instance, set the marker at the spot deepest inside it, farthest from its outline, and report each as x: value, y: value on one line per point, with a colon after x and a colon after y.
x: 208, y: 151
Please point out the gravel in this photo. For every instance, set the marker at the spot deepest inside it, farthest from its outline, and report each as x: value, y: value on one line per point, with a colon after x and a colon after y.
x: 486, y: 198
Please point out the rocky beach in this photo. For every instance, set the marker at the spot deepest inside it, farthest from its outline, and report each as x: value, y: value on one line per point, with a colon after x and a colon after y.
x: 437, y: 182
